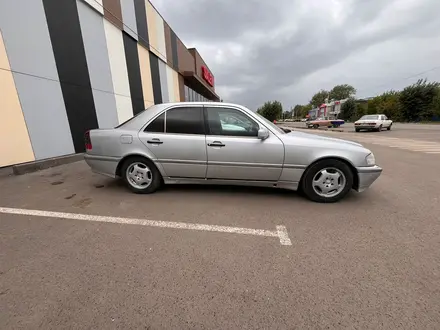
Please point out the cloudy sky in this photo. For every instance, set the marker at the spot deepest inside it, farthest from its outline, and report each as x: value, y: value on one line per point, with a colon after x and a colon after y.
x: 286, y: 50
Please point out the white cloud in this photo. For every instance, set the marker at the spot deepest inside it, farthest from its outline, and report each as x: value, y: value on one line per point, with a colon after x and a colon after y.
x: 289, y: 49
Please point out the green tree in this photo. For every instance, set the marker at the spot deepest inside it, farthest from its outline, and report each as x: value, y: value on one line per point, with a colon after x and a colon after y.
x: 319, y: 98
x: 271, y: 110
x: 348, y: 109
x: 300, y: 111
x: 436, y: 105
x: 361, y: 109
x: 297, y: 110
x: 340, y: 92
x: 416, y: 100
x: 305, y: 110
x: 287, y: 114
x: 372, y: 106
x: 389, y: 105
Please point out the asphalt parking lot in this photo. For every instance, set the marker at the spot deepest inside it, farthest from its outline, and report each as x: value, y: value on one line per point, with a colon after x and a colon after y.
x: 192, y: 257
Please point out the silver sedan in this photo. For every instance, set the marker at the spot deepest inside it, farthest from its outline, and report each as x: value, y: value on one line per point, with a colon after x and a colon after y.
x: 222, y: 143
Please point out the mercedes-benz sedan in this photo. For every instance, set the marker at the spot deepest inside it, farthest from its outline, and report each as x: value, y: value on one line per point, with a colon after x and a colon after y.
x: 222, y: 143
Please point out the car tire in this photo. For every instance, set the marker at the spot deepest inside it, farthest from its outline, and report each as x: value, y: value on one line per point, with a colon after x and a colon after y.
x: 315, y: 172
x: 379, y: 128
x: 357, y: 130
x: 315, y: 126
x: 149, y: 176
x: 389, y: 127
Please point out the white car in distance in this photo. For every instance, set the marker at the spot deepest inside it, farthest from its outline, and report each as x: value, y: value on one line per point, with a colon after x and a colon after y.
x: 373, y: 123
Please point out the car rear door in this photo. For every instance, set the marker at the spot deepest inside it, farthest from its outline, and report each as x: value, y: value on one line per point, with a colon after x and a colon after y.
x: 238, y: 154
x: 177, y: 139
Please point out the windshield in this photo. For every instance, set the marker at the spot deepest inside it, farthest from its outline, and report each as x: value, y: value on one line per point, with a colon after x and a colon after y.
x: 369, y: 117
x: 270, y: 124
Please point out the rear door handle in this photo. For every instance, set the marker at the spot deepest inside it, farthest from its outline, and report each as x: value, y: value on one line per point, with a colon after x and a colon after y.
x: 216, y: 144
x: 154, y: 141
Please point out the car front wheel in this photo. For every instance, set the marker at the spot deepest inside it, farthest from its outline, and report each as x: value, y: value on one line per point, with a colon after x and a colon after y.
x: 140, y: 175
x: 327, y: 181
x: 389, y: 127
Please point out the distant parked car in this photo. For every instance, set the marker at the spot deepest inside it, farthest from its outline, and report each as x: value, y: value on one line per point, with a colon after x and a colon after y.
x: 324, y: 122
x: 373, y: 123
x: 190, y: 142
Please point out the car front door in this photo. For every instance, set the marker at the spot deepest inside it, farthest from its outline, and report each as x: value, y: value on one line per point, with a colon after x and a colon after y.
x: 177, y: 139
x: 386, y: 122
x: 234, y: 150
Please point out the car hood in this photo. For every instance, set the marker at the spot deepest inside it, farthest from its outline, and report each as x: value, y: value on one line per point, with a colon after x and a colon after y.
x: 313, y: 137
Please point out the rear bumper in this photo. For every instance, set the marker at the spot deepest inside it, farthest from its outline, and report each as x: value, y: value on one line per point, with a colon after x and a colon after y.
x: 366, y: 126
x: 104, y: 165
x: 366, y: 176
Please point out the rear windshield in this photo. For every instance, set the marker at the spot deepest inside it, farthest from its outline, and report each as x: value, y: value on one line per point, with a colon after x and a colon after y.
x: 369, y: 117
x: 130, y: 119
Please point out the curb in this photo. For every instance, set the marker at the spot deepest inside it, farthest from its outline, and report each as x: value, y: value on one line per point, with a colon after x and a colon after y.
x: 45, y: 163
x: 6, y: 171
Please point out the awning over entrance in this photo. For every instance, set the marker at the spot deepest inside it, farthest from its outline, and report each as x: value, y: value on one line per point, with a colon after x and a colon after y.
x: 199, y: 85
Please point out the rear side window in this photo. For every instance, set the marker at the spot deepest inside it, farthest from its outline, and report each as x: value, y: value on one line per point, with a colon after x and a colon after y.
x: 185, y: 121
x: 157, y: 125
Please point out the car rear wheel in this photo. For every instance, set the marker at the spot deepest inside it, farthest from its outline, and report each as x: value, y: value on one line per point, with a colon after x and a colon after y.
x: 380, y: 128
x: 327, y: 181
x: 315, y: 126
x: 140, y: 175
x: 357, y: 129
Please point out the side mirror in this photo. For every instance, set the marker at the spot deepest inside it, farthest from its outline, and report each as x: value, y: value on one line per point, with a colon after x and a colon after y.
x: 263, y: 133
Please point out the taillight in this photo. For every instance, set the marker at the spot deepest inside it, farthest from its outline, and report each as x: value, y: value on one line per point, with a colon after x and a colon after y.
x: 87, y: 141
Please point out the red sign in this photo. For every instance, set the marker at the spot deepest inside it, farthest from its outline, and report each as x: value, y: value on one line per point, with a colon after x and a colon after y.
x: 207, y: 76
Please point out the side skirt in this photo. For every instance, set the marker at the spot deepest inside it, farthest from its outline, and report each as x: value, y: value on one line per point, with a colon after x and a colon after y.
x: 271, y: 184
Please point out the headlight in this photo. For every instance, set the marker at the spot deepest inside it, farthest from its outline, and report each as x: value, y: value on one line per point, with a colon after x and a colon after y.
x: 370, y: 160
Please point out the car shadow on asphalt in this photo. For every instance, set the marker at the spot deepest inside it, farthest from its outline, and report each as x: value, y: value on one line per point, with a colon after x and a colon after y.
x: 221, y: 190
x: 117, y: 184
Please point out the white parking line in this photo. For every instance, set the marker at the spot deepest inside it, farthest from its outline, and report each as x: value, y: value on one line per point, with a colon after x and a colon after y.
x: 280, y: 232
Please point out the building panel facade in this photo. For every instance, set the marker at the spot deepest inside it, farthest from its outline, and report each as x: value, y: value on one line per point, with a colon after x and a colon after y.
x: 87, y: 64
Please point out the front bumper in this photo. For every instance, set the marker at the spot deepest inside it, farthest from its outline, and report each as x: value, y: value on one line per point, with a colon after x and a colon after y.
x: 366, y: 176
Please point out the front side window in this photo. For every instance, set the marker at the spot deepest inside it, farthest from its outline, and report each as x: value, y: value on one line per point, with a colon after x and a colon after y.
x: 224, y: 121
x: 157, y: 125
x: 185, y: 121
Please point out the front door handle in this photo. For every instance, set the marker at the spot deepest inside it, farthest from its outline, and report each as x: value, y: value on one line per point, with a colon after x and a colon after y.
x: 154, y: 141
x: 216, y: 144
